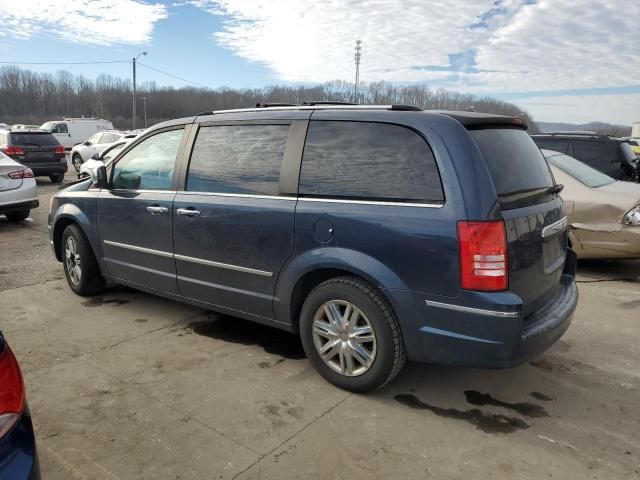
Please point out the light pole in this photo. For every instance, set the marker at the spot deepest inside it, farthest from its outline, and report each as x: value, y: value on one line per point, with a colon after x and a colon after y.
x: 357, y: 57
x: 144, y: 107
x: 134, y: 87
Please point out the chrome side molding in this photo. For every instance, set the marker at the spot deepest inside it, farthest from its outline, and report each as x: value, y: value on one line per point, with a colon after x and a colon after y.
x: 555, y: 228
x: 475, y: 311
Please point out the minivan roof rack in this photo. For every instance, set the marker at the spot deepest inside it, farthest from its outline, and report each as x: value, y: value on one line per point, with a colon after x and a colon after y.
x: 405, y: 108
x: 267, y: 105
x: 208, y: 112
x: 327, y: 102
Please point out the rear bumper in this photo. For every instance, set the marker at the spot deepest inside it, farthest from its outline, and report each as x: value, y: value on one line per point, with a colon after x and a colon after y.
x: 490, y: 334
x: 22, y: 205
x: 18, y: 454
x: 44, y: 169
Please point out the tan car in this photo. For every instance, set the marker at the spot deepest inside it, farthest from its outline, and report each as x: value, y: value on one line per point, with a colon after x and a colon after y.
x: 603, y: 214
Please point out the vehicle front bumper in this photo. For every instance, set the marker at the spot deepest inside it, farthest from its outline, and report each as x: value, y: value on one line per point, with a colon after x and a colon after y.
x: 496, y: 335
x: 18, y: 453
x: 621, y: 242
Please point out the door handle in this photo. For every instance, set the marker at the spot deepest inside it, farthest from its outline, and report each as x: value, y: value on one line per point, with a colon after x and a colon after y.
x: 188, y: 212
x: 157, y: 210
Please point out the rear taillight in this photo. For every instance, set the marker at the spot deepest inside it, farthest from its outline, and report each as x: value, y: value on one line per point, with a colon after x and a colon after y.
x: 18, y: 174
x: 11, y: 150
x: 60, y: 149
x: 483, y: 256
x: 11, y: 391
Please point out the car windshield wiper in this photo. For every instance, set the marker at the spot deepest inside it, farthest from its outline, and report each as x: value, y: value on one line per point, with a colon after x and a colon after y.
x: 557, y: 188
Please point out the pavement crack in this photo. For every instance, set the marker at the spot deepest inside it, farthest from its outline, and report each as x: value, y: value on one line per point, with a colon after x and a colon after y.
x: 307, y: 425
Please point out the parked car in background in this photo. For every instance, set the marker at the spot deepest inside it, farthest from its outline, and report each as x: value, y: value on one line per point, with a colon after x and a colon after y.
x: 37, y: 149
x: 18, y: 190
x: 412, y: 234
x: 95, y: 144
x: 4, y: 126
x: 72, y: 131
x: 603, y: 214
x: 609, y: 155
x: 106, y: 156
x: 18, y: 454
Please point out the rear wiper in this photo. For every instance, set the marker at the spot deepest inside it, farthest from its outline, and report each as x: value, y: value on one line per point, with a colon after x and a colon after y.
x: 555, y: 189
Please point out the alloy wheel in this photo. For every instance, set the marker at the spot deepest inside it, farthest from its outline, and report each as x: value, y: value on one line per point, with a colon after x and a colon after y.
x: 72, y: 260
x: 344, y: 338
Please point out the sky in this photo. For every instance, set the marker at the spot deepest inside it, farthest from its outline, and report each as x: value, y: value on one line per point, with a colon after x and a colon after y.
x: 562, y: 60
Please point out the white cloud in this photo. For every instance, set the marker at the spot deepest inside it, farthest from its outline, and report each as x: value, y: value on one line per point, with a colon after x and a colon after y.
x: 517, y: 44
x: 100, y: 22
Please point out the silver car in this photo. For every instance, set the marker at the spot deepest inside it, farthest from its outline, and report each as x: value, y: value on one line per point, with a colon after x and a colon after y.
x: 96, y: 143
x: 18, y: 191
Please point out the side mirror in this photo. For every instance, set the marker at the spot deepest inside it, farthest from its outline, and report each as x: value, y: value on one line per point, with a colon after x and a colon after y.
x: 95, y: 156
x: 87, y: 143
x: 97, y: 171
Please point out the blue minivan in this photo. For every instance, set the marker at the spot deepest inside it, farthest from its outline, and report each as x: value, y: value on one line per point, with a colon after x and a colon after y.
x: 378, y: 233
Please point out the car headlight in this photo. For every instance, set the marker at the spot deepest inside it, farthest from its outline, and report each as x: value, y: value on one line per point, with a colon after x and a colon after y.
x: 50, y: 204
x: 632, y: 217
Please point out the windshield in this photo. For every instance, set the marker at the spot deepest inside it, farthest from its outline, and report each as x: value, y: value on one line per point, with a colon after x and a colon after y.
x: 48, y: 125
x: 520, y: 174
x: 580, y: 171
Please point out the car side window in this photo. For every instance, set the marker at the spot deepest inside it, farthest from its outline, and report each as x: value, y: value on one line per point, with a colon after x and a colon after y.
x: 556, y: 145
x: 150, y: 164
x: 243, y: 159
x: 588, y: 152
x: 60, y: 128
x: 368, y: 161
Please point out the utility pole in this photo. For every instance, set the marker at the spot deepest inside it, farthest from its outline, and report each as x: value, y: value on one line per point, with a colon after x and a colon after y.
x: 144, y: 105
x: 134, y: 88
x: 357, y: 57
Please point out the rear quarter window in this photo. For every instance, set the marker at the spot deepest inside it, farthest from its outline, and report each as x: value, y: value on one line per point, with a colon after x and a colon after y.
x: 368, y: 161
x: 519, y: 170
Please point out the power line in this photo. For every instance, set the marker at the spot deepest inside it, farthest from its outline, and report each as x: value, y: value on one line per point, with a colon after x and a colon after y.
x: 62, y: 63
x: 173, y: 76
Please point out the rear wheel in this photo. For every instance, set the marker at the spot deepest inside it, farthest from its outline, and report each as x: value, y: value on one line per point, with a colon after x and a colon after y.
x: 80, y: 265
x: 77, y: 162
x: 18, y: 215
x: 56, y: 177
x: 351, y: 335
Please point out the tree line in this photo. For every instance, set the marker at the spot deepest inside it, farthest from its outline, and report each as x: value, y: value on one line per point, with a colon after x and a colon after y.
x: 34, y: 97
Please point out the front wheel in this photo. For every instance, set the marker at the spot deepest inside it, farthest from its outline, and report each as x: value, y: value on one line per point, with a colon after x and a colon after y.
x: 80, y: 265
x: 77, y: 162
x: 351, y: 335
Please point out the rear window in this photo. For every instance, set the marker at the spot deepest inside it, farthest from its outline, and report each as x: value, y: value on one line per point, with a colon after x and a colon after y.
x: 519, y: 170
x: 580, y: 171
x: 35, y: 139
x: 368, y: 161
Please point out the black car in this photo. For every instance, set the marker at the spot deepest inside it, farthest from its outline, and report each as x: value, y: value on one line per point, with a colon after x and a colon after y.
x: 18, y: 454
x: 609, y: 155
x: 37, y: 149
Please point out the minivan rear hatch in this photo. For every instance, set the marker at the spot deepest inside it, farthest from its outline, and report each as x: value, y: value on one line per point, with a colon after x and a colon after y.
x: 532, y: 211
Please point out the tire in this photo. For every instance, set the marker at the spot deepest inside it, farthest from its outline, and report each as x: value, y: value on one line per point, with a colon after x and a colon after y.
x: 386, y: 351
x: 56, y: 177
x: 86, y: 279
x: 77, y: 162
x: 17, y: 215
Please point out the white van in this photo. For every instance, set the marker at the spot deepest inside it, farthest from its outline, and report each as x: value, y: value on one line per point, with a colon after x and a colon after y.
x: 635, y: 130
x: 72, y: 131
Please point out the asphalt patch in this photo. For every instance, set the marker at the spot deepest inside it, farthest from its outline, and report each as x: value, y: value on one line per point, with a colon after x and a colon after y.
x: 100, y: 301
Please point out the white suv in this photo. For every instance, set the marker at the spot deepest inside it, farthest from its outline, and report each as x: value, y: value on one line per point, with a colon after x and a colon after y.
x: 96, y: 143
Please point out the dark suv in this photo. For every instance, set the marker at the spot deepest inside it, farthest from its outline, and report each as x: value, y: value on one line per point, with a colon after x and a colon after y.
x: 37, y: 149
x: 610, y: 155
x: 378, y: 233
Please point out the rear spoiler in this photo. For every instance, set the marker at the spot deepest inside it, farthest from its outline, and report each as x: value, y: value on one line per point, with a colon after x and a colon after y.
x: 473, y: 120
